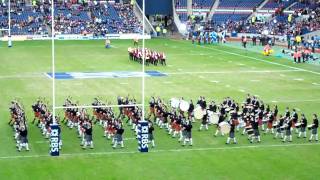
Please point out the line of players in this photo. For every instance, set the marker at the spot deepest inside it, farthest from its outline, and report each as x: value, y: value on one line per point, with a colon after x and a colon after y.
x: 151, y: 56
x: 252, y: 116
x: 18, y: 122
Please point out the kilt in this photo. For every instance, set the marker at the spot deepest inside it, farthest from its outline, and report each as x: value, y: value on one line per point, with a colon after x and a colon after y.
x: 269, y: 125
x: 23, y: 140
x: 188, y: 134
x: 279, y: 130
x: 150, y: 136
x: 314, y: 131
x: 303, y: 129
x: 288, y: 132
x: 87, y: 137
x: 231, y: 135
x: 118, y: 137
x: 256, y: 132
x: 37, y: 114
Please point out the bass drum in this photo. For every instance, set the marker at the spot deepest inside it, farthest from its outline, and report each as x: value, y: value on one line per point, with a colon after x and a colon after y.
x: 224, y: 127
x: 199, y: 112
x: 213, y: 118
x: 184, y: 105
x: 174, y: 102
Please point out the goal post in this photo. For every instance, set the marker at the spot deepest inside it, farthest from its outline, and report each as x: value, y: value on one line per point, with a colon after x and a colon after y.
x: 5, y: 32
x: 143, y: 124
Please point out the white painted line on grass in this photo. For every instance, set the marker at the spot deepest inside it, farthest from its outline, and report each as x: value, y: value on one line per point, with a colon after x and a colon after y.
x: 124, y: 83
x: 201, y: 77
x: 294, y: 101
x: 215, y: 81
x: 258, y: 59
x: 228, y: 72
x: 228, y: 86
x: 185, y: 149
x: 167, y: 82
x: 298, y: 79
x: 317, y: 84
x: 241, y: 90
x: 23, y: 76
x: 255, y: 80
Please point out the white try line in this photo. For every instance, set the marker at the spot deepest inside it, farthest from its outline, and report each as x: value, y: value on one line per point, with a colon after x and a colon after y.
x: 183, y: 149
x: 294, y: 101
x: 23, y: 76
x: 230, y: 72
x: 91, y: 106
x: 253, y: 58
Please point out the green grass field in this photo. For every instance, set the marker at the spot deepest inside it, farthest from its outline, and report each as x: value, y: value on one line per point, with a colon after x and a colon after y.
x: 215, y: 72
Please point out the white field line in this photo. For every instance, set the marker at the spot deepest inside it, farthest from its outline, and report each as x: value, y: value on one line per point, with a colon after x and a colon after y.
x: 257, y: 59
x: 23, y: 76
x: 42, y: 75
x: 161, y: 151
x: 294, y: 101
x: 228, y: 72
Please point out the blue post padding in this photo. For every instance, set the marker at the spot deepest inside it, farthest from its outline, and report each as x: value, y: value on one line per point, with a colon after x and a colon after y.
x: 54, y: 140
x: 143, y: 136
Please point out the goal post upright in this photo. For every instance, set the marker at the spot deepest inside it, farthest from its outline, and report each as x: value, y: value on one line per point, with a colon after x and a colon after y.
x: 53, y: 65
x: 143, y: 61
x: 9, y: 24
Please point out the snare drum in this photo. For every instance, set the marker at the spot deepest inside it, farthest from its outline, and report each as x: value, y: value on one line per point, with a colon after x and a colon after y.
x: 310, y: 126
x: 298, y: 125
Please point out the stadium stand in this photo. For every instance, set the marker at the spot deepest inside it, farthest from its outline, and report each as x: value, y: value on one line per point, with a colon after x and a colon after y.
x: 245, y: 4
x: 272, y: 4
x: 97, y: 18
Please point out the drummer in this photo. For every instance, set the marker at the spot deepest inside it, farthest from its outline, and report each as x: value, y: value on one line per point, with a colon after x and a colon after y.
x: 231, y: 133
x: 187, y: 127
x: 255, y: 127
x: 279, y: 124
x: 303, y: 126
x: 294, y: 117
x: 218, y: 130
x: 190, y: 112
x: 288, y: 127
x: 204, y: 122
x: 314, y: 128
x: 270, y: 122
x: 151, y: 107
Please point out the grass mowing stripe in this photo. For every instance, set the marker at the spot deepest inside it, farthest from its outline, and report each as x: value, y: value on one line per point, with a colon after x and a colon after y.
x: 258, y: 59
x: 162, y: 150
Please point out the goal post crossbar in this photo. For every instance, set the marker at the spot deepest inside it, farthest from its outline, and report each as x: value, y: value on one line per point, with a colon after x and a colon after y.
x: 92, y: 106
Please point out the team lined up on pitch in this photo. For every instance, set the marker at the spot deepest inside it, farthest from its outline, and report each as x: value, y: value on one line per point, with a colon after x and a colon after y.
x: 177, y: 117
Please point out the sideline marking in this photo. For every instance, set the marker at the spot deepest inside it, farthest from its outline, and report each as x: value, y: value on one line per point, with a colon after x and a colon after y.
x: 162, y: 150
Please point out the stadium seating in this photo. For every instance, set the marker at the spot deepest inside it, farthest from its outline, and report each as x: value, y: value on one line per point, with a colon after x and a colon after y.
x: 72, y: 19
x: 220, y: 18
x: 202, y: 4
x: 272, y: 4
x: 244, y: 4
